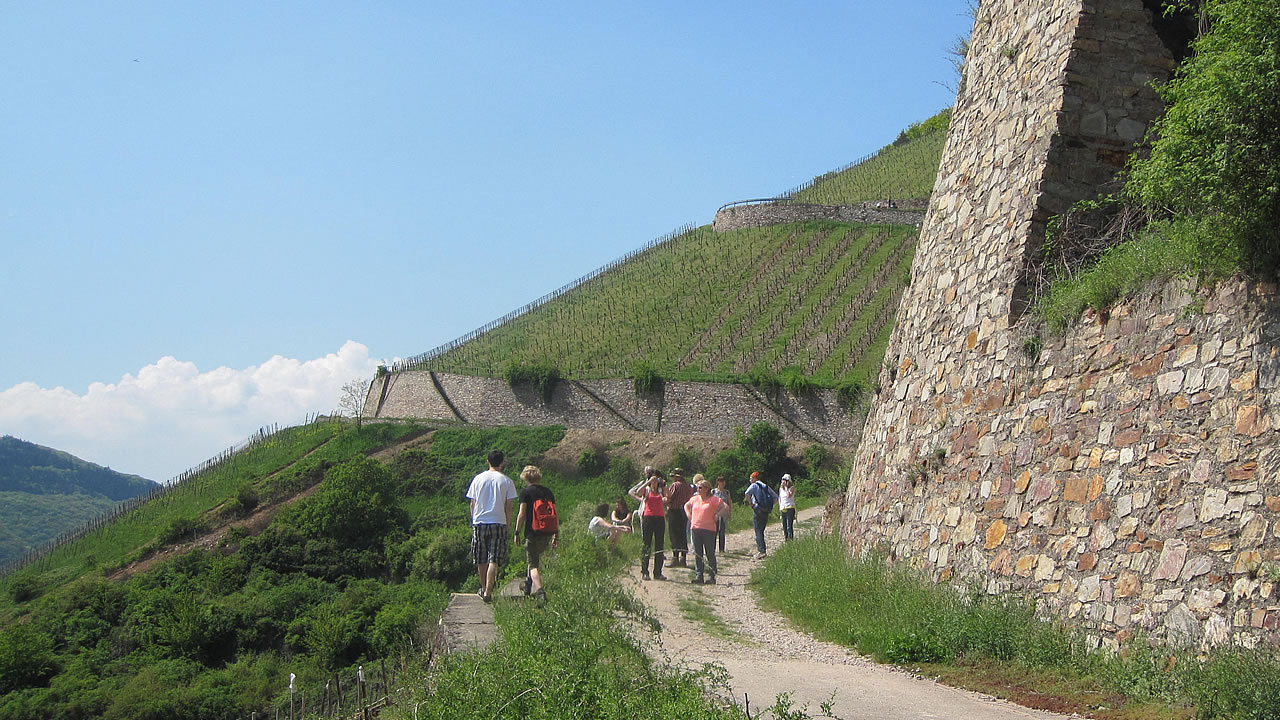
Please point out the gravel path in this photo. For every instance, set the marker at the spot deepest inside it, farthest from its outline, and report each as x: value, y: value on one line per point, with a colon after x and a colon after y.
x: 764, y: 655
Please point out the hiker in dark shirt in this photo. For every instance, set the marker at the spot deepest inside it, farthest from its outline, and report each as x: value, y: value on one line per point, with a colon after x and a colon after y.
x: 536, y: 542
x: 677, y: 522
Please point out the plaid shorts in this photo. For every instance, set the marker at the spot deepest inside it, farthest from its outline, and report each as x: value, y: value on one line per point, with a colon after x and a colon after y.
x: 489, y: 543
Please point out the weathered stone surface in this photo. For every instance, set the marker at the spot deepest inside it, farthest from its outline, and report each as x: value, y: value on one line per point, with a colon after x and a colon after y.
x: 1196, y: 567
x: 995, y: 534
x: 1214, y: 504
x: 1171, y: 561
x: 1182, y: 627
x: 1076, y: 489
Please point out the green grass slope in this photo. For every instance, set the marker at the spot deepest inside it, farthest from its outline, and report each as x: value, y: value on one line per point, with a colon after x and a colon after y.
x: 904, y: 170
x: 709, y: 305
x: 300, y: 555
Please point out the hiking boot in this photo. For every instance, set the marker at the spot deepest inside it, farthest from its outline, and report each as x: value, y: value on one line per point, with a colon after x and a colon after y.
x: 528, y: 586
x: 541, y: 597
x: 659, y: 576
x: 644, y: 575
x: 697, y: 580
x: 711, y: 580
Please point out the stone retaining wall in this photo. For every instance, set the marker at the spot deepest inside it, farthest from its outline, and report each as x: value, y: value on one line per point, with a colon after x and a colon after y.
x: 1125, y: 475
x: 686, y: 408
x: 781, y: 213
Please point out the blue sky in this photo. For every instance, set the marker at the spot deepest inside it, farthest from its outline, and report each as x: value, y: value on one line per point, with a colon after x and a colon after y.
x: 215, y: 214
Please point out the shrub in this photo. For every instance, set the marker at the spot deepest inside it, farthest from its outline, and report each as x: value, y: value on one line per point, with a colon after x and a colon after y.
x: 592, y: 463
x: 23, y: 587
x: 735, y: 463
x: 446, y: 558
x: 245, y: 501
x: 646, y: 378
x: 1217, y: 147
x: 795, y: 381
x: 851, y: 391
x: 183, y: 527
x: 687, y: 458
x: 622, y: 472
x: 817, y: 457
x: 764, y: 379
x: 542, y: 376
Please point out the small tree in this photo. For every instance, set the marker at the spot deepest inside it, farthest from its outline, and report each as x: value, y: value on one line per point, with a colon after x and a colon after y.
x: 1217, y: 147
x: 351, y: 401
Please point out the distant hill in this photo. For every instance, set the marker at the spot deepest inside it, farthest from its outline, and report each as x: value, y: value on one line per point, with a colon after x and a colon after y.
x: 45, y: 492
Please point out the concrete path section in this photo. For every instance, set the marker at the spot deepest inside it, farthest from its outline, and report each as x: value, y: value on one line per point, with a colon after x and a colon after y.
x: 467, y: 623
x: 765, y: 655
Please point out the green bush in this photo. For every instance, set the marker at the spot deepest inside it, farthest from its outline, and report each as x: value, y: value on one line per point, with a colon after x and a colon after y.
x: 446, y: 558
x: 795, y: 381
x: 646, y: 378
x: 764, y: 379
x: 688, y: 459
x: 851, y: 391
x: 181, y: 529
x: 1216, y: 149
x: 592, y: 462
x: 542, y: 376
x: 818, y: 457
x: 26, y: 658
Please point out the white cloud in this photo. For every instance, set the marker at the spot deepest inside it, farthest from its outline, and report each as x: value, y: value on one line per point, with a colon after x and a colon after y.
x: 170, y: 416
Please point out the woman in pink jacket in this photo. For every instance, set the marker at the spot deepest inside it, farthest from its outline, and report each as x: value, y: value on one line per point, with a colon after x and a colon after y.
x: 703, y: 510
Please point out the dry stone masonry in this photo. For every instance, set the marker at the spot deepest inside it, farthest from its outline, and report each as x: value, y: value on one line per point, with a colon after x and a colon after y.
x: 1127, y: 475
x: 686, y: 408
x: 763, y: 214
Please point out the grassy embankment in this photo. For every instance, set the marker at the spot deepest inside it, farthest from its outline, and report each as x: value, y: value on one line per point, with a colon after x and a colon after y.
x: 997, y: 645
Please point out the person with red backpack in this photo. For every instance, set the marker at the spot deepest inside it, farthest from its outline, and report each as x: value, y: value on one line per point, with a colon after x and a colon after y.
x: 540, y: 525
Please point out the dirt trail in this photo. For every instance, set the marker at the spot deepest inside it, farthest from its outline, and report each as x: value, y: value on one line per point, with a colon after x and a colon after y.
x: 765, y: 655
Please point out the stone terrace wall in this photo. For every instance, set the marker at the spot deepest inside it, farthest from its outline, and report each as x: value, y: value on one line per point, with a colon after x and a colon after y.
x: 1127, y: 477
x: 781, y: 213
x: 711, y: 409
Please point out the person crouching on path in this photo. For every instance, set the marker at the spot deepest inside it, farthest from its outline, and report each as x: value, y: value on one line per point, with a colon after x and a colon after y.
x: 704, y: 509
x: 622, y: 515
x: 722, y: 521
x: 601, y: 528
x: 677, y: 521
x: 761, y: 497
x: 653, y: 525
x: 535, y: 542
x: 491, y: 494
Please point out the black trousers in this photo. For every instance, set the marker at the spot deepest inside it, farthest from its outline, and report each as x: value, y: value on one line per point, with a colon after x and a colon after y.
x: 653, y: 528
x: 678, y: 527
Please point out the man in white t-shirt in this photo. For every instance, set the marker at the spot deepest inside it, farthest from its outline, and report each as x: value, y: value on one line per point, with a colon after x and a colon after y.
x: 492, y: 497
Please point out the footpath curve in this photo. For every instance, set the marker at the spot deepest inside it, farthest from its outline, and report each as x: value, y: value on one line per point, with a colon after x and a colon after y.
x: 767, y: 655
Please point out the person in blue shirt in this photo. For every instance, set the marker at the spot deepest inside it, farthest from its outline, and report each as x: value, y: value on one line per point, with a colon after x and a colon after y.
x: 761, y: 499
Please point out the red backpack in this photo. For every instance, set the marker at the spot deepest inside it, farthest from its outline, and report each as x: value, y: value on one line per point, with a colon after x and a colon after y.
x: 544, y: 519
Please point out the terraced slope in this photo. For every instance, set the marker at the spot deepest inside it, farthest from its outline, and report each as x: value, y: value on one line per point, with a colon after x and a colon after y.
x: 819, y: 297
x: 901, y: 172
x: 709, y: 305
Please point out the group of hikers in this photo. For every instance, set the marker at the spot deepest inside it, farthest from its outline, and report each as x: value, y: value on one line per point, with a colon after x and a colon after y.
x: 685, y: 512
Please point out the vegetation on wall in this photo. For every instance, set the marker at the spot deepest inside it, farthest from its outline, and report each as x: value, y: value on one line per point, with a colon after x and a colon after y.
x: 1204, y: 200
